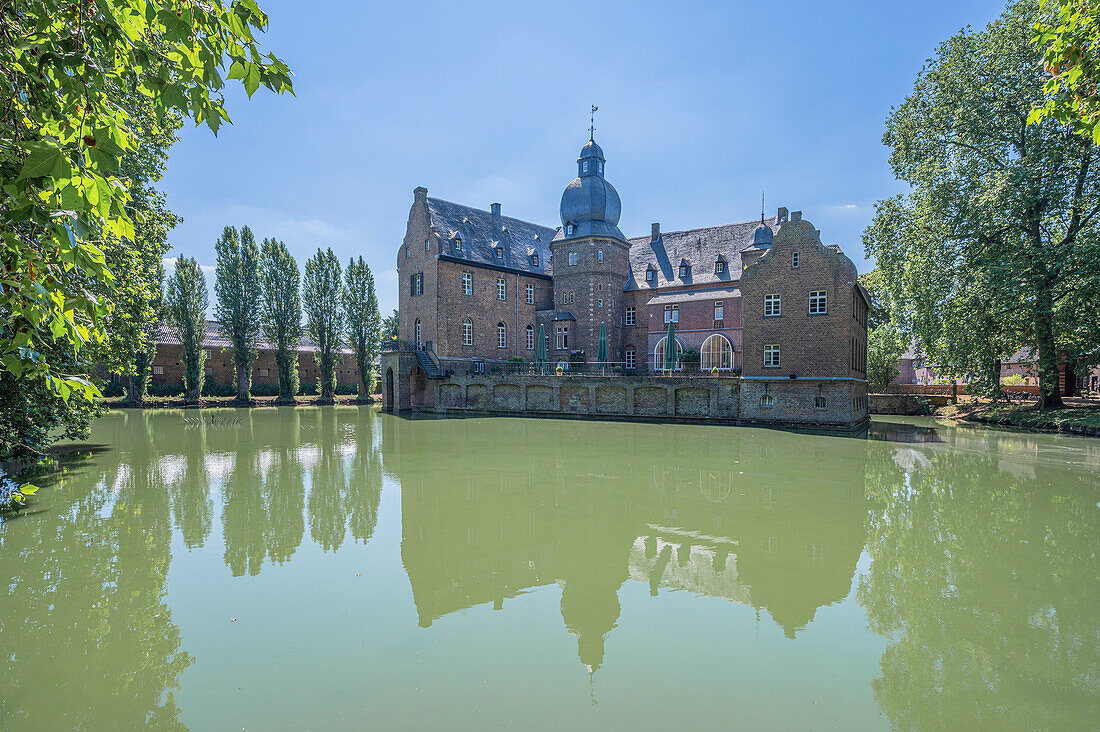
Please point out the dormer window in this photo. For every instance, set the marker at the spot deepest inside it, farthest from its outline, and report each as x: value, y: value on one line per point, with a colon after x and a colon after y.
x: 535, y: 260
x: 719, y: 267
x: 569, y: 229
x: 650, y: 275
x: 499, y: 252
x: 685, y: 270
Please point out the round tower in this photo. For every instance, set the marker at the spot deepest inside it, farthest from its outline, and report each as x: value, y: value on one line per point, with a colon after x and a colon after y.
x: 591, y: 262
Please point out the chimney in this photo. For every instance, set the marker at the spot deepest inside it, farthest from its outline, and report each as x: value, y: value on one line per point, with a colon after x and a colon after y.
x: 495, y: 208
x: 656, y: 232
x: 420, y: 193
x: 796, y: 216
x: 782, y: 215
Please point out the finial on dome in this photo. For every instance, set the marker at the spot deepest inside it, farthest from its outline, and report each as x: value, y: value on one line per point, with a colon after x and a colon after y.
x: 762, y: 237
x: 592, y: 124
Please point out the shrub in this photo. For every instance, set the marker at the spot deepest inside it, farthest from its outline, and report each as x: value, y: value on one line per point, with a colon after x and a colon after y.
x: 166, y: 390
x: 113, y: 389
x: 690, y: 356
x: 1014, y: 380
x: 265, y: 390
x: 346, y: 389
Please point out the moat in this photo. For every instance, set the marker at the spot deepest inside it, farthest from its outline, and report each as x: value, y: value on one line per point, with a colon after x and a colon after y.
x: 342, y: 568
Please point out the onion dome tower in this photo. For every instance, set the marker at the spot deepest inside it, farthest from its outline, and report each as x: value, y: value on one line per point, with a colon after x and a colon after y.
x: 762, y: 237
x: 590, y: 205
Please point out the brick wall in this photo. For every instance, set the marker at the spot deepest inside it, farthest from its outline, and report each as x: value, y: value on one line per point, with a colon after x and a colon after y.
x: 592, y: 291
x: 219, y: 367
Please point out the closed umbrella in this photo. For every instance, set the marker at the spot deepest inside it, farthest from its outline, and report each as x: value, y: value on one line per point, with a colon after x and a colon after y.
x: 670, y: 348
x: 540, y: 353
x: 601, y: 350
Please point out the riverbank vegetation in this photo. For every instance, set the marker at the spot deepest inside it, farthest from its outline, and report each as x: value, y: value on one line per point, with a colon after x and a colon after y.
x: 1083, y: 419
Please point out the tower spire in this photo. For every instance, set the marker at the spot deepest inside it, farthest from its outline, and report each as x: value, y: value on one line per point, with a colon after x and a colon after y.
x: 761, y: 205
x: 592, y: 124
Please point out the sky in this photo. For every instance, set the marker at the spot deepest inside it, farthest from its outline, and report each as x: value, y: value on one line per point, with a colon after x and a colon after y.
x: 702, y: 106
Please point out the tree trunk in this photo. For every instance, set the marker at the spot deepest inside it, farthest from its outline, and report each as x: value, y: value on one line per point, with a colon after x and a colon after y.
x: 132, y: 397
x: 1049, y: 396
x: 244, y: 381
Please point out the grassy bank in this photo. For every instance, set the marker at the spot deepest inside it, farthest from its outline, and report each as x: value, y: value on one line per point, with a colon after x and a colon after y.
x: 177, y: 402
x: 1076, y: 419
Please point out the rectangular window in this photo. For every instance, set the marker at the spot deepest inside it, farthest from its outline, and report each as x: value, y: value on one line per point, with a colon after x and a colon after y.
x: 649, y: 275
x: 265, y: 372
x: 572, y: 259
x: 416, y: 286
x: 530, y: 294
x: 562, y: 332
x: 569, y: 229
x: 818, y: 303
x: 530, y: 339
x: 719, y: 311
x: 467, y: 283
x: 719, y: 267
x: 499, y: 252
x: 772, y: 305
x: 599, y: 255
x: 794, y: 259
x: 535, y: 259
x: 467, y: 333
x: 502, y: 337
x: 458, y: 246
x: 630, y: 358
x: 599, y: 303
x: 771, y: 357
x: 630, y: 315
x: 502, y: 289
x: 684, y: 270
x: 584, y: 166
x: 159, y: 370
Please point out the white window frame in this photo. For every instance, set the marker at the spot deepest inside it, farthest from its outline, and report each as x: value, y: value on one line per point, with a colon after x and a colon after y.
x: 819, y: 302
x: 467, y: 283
x: 562, y: 339
x: 467, y: 332
x: 630, y: 315
x: 535, y: 259
x: 584, y: 167
x: 650, y: 275
x: 159, y: 371
x: 659, y: 362
x: 772, y: 356
x: 569, y: 229
x: 704, y: 362
x: 767, y: 400
x: 719, y: 267
x: 630, y: 358
x: 499, y: 252
x: 719, y: 311
x: 773, y: 305
x: 530, y: 338
x: 502, y: 335
x: 530, y: 294
x: 685, y: 270
x: 502, y: 289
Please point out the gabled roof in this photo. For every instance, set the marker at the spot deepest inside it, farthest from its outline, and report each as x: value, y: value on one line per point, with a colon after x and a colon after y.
x: 165, y: 336
x: 697, y: 246
x: 481, y: 231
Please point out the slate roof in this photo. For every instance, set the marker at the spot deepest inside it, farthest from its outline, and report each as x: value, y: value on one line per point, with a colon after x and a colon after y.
x: 481, y: 233
x: 709, y: 293
x: 700, y: 248
x: 164, y: 336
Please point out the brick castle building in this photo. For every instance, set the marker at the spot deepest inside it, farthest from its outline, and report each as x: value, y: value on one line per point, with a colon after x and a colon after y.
x: 763, y: 299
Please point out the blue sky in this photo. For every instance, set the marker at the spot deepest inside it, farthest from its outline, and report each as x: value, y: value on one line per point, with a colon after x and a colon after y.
x: 702, y: 105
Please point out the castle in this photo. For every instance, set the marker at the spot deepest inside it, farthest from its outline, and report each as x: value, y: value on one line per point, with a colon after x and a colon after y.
x: 764, y: 300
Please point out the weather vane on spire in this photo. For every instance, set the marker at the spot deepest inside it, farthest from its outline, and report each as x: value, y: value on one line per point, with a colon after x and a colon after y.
x: 592, y: 124
x: 761, y: 205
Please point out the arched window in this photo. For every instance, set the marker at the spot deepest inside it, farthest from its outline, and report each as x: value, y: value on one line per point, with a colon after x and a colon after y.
x: 716, y: 353
x: 467, y: 332
x: 767, y: 401
x: 530, y: 338
x: 502, y: 336
x: 659, y: 355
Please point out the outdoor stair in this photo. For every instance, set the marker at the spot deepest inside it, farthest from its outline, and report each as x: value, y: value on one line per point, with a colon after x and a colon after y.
x: 429, y: 365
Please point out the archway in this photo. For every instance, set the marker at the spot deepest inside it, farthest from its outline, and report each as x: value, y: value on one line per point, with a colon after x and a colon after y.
x: 418, y: 387
x: 388, y: 400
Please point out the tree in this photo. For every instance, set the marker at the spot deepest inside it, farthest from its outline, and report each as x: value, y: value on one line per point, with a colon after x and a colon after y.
x: 237, y: 286
x: 884, y: 350
x: 185, y: 305
x: 391, y: 331
x: 1068, y: 34
x: 281, y: 314
x: 999, y: 233
x: 324, y: 318
x: 63, y: 132
x: 364, y: 328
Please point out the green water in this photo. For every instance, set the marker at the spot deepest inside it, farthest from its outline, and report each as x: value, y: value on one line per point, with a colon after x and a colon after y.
x: 338, y: 568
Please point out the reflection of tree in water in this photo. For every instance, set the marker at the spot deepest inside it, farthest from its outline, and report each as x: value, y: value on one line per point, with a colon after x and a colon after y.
x: 327, y: 501
x: 365, y: 486
x: 985, y: 579
x: 191, y: 502
x: 244, y: 515
x: 284, y: 489
x: 88, y: 613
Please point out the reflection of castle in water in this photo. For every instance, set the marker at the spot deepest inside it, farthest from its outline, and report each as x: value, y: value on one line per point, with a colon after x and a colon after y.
x: 486, y: 517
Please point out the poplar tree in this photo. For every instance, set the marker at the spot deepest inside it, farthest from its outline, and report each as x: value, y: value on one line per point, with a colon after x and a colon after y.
x: 281, y: 314
x: 237, y: 286
x: 324, y: 318
x: 364, y: 324
x: 185, y: 307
